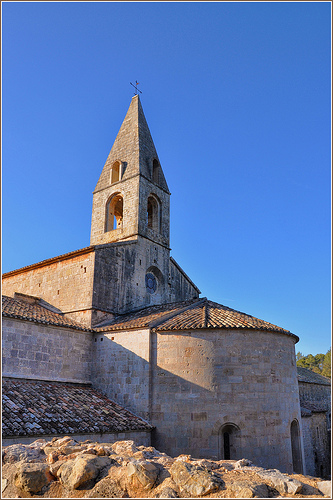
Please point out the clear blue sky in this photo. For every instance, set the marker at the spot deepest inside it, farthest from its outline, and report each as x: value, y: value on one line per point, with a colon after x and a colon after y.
x: 237, y: 98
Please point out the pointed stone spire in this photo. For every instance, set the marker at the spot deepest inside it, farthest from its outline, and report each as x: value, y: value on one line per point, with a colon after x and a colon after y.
x: 134, y: 147
x: 131, y: 198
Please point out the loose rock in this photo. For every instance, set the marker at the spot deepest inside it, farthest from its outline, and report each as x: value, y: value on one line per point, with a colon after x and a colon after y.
x: 281, y: 482
x: 124, y: 448
x: 145, y: 472
x: 107, y: 488
x: 19, y: 452
x: 242, y: 489
x: 325, y: 487
x: 244, y: 462
x: 82, y: 469
x: 192, y: 479
x: 168, y: 492
x: 72, y: 469
x: 32, y: 477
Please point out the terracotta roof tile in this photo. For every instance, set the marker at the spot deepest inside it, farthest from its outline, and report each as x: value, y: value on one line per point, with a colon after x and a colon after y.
x: 190, y: 315
x: 187, y: 315
x: 41, y: 408
x: 305, y: 412
x: 306, y: 375
x: 315, y: 406
x: 20, y: 309
x: 143, y: 318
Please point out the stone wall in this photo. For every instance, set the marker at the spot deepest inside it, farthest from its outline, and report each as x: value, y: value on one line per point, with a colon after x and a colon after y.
x: 129, y: 190
x: 181, y: 287
x: 65, y: 282
x: 311, y: 392
x: 94, y: 283
x: 135, y: 192
x: 121, y: 369
x: 163, y: 235
x: 139, y: 437
x: 202, y: 380
x: 45, y: 352
x: 316, y: 445
x: 120, y: 270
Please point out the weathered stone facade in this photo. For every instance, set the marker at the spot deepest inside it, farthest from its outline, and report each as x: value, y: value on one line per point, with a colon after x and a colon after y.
x: 315, y: 399
x: 45, y: 352
x: 316, y: 444
x: 191, y: 384
x: 66, y: 282
x: 215, y: 383
x: 121, y: 368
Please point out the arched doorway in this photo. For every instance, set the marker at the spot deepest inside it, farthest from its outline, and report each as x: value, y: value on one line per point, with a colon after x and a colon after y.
x: 229, y: 442
x: 296, y: 447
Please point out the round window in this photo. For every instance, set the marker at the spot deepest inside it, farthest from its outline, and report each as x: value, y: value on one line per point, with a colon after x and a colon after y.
x: 151, y: 283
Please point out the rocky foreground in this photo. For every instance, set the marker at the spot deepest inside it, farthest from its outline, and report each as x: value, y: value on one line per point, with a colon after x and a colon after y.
x: 65, y: 468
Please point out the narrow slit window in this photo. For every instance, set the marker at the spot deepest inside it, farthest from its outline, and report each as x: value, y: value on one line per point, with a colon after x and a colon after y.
x: 153, y: 214
x: 116, y: 172
x: 156, y: 169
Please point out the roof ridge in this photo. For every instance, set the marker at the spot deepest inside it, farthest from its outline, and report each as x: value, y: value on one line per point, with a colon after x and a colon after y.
x: 205, y: 314
x: 149, y: 309
x: 159, y: 321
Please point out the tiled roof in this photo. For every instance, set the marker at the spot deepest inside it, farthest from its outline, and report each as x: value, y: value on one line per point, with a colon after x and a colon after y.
x: 42, y: 408
x: 315, y: 406
x: 306, y: 375
x: 187, y: 315
x: 144, y: 318
x: 190, y: 315
x: 305, y: 412
x: 20, y: 309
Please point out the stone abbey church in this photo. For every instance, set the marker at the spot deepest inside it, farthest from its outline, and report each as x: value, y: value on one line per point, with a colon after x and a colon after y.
x: 113, y: 341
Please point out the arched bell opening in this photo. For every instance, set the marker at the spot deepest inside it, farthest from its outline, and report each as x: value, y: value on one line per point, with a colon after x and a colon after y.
x: 114, y: 213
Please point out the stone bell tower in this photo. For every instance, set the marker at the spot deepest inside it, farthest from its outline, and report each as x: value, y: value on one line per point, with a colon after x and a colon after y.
x: 131, y: 198
x: 131, y: 225
x: 127, y: 265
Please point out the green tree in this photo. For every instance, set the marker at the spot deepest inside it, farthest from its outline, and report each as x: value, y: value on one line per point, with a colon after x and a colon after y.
x: 320, y: 363
x: 307, y: 362
x: 327, y: 364
x: 299, y: 355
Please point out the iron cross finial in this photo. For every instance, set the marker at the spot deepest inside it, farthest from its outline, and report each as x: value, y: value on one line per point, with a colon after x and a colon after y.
x: 136, y: 87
